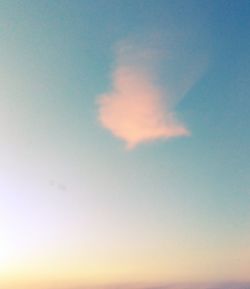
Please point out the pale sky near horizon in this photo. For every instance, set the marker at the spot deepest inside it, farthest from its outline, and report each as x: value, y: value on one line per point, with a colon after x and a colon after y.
x: 124, y: 142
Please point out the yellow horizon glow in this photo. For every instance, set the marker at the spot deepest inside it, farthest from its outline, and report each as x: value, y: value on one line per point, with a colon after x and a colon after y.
x: 117, y: 267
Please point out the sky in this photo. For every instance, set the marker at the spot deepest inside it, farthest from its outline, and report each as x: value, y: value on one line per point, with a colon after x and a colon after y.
x: 124, y: 143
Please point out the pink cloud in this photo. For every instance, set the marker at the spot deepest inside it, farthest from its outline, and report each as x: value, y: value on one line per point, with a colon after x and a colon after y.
x: 137, y: 110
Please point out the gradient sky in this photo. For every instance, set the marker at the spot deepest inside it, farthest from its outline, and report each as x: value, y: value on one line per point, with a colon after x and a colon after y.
x: 125, y: 142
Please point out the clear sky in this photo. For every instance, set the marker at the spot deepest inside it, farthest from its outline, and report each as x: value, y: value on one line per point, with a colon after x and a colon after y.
x: 124, y: 142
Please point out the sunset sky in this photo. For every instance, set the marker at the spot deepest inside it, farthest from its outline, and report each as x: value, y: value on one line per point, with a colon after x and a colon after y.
x: 124, y: 142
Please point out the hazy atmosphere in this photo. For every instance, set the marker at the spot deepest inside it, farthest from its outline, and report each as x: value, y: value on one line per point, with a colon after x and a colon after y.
x: 124, y: 144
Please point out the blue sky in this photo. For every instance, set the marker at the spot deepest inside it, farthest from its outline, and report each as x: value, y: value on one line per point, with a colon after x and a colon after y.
x: 167, y: 202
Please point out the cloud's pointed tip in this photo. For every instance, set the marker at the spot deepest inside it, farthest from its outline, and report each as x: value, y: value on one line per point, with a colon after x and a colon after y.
x: 179, y: 131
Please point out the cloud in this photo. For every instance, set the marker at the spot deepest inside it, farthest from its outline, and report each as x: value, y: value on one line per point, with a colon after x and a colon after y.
x: 138, y: 109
